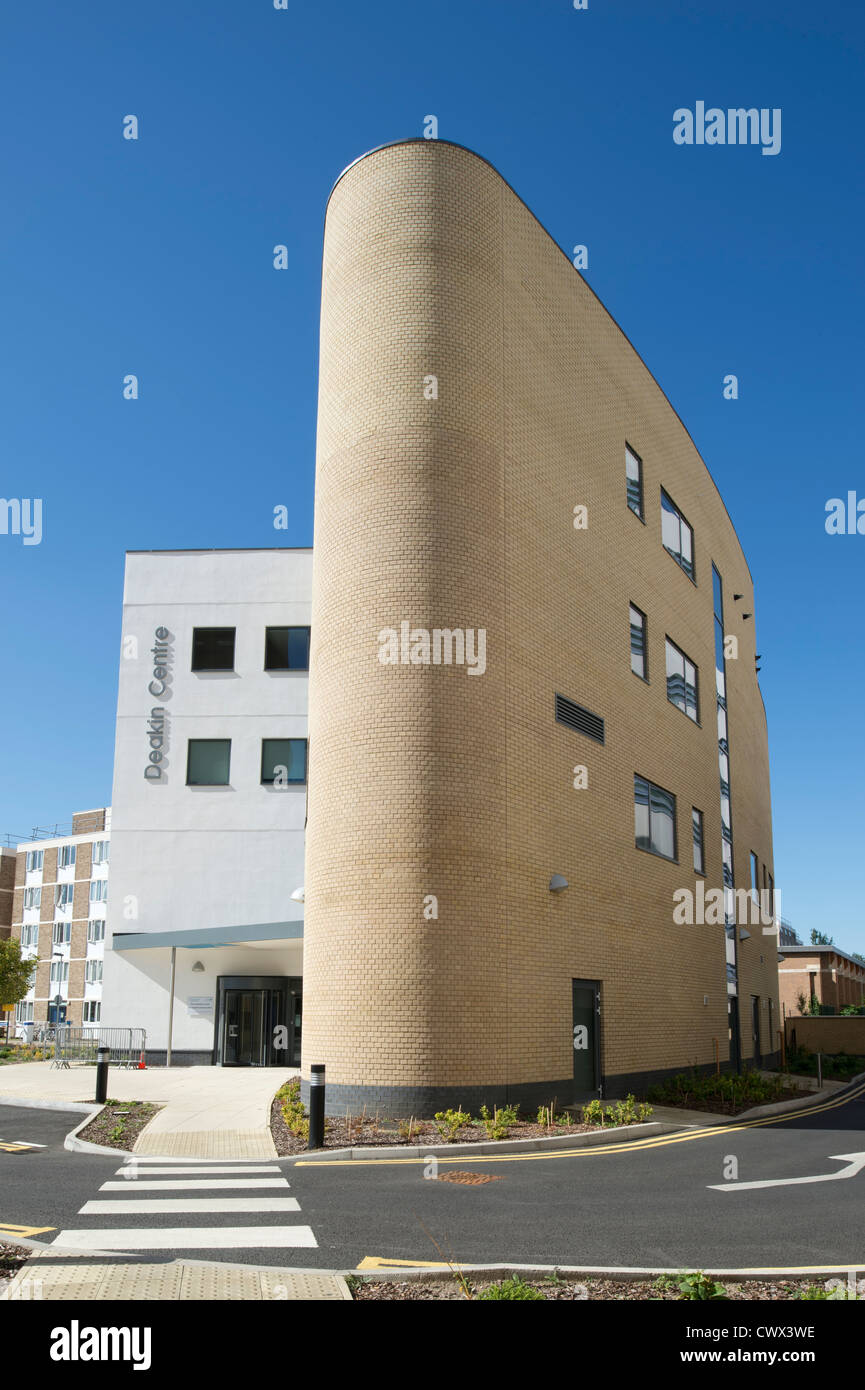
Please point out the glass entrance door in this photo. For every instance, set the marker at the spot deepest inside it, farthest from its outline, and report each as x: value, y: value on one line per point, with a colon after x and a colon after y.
x: 244, y: 1043
x: 258, y: 1020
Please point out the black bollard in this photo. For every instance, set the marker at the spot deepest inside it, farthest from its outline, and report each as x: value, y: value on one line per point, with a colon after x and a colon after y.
x: 316, y: 1106
x: 102, y: 1056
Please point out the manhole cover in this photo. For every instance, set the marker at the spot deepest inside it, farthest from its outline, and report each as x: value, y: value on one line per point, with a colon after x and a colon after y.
x: 460, y: 1175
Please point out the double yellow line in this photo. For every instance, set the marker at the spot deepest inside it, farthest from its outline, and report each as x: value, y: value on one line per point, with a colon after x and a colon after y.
x: 658, y: 1141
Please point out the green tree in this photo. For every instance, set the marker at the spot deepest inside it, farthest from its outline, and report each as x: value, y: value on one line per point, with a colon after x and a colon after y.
x: 16, y: 974
x: 819, y: 938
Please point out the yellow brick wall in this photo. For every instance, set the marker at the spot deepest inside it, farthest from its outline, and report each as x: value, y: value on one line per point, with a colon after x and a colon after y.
x: 458, y: 512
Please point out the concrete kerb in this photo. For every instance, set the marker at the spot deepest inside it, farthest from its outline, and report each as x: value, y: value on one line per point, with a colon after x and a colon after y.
x: 830, y: 1089
x: 495, y: 1146
x: 761, y: 1274
x: 77, y: 1145
x: 25, y: 1103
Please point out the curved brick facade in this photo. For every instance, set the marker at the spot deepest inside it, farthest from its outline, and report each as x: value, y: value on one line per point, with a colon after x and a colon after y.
x: 457, y: 513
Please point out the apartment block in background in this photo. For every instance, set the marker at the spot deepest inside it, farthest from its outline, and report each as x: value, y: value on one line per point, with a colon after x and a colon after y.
x: 59, y: 908
x: 7, y: 889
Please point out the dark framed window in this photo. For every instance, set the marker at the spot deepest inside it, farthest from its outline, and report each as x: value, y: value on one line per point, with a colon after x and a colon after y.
x: 286, y: 649
x: 208, y: 762
x: 213, y: 648
x: 682, y: 682
x: 283, y: 761
x: 654, y: 819
x: 634, y: 481
x: 755, y: 877
x: 771, y: 895
x: 677, y: 535
x: 639, y: 650
x: 697, y: 826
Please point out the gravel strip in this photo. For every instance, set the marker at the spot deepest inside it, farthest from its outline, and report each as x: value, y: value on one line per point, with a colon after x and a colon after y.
x: 616, y: 1290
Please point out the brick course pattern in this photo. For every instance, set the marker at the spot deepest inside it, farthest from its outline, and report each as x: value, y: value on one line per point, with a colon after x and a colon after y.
x: 458, y: 513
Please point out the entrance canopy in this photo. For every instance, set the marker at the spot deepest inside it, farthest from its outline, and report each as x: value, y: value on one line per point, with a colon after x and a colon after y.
x: 206, y: 938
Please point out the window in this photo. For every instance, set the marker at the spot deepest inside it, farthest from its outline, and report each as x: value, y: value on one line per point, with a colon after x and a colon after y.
x: 63, y: 894
x: 32, y: 897
x: 676, y: 535
x: 61, y: 933
x: 30, y: 934
x: 634, y: 481
x: 697, y: 819
x: 207, y: 762
x: 59, y: 972
x: 24, y: 1012
x: 755, y: 878
x: 286, y: 649
x: 93, y: 971
x: 99, y: 890
x: 92, y: 1011
x: 654, y: 819
x: 639, y: 654
x: 34, y: 860
x: 771, y: 895
x: 681, y: 681
x: 283, y: 761
x: 100, y: 851
x: 213, y: 649
x: 95, y: 930
x: 66, y: 856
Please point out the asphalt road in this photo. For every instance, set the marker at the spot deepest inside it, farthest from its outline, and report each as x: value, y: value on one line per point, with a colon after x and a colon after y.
x: 648, y: 1204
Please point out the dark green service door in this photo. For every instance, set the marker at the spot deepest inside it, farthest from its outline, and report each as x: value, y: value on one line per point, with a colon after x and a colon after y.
x: 586, y: 1039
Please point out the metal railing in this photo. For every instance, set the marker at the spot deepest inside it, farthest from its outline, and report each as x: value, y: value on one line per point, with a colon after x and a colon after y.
x: 78, y: 1046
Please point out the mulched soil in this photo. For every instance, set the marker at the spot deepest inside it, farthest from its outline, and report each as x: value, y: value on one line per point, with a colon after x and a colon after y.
x: 570, y: 1289
x: 130, y: 1115
x: 12, y: 1257
x: 340, y: 1133
x: 727, y: 1107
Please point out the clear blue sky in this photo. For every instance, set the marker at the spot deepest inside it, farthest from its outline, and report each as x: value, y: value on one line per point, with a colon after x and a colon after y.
x: 155, y: 258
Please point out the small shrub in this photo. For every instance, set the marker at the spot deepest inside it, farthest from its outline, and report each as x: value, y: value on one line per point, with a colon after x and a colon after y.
x: 494, y: 1123
x: 513, y: 1288
x: 292, y: 1108
x: 700, y: 1287
x: 593, y: 1113
x: 450, y: 1122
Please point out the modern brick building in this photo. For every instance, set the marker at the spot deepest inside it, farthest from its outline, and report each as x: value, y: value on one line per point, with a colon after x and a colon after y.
x: 512, y: 690
x: 534, y: 712
x: 826, y: 973
x: 60, y: 899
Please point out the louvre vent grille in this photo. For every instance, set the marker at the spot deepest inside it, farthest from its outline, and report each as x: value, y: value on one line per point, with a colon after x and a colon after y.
x: 576, y: 717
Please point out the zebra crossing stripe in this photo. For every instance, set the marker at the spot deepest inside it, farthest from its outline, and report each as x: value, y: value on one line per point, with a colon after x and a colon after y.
x: 190, y: 1238
x: 161, y: 1205
x: 237, y: 1169
x: 190, y: 1184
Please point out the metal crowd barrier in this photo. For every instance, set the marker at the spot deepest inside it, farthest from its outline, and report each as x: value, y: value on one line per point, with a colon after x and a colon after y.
x: 78, y: 1046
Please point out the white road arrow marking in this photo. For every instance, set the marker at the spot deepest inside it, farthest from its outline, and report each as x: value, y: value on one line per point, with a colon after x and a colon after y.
x: 855, y: 1163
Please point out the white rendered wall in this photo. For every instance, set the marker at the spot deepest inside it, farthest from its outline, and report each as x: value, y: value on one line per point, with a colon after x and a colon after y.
x: 197, y: 858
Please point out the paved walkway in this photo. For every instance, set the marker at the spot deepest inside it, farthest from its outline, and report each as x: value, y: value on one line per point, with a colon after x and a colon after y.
x: 208, y: 1112
x: 54, y: 1276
